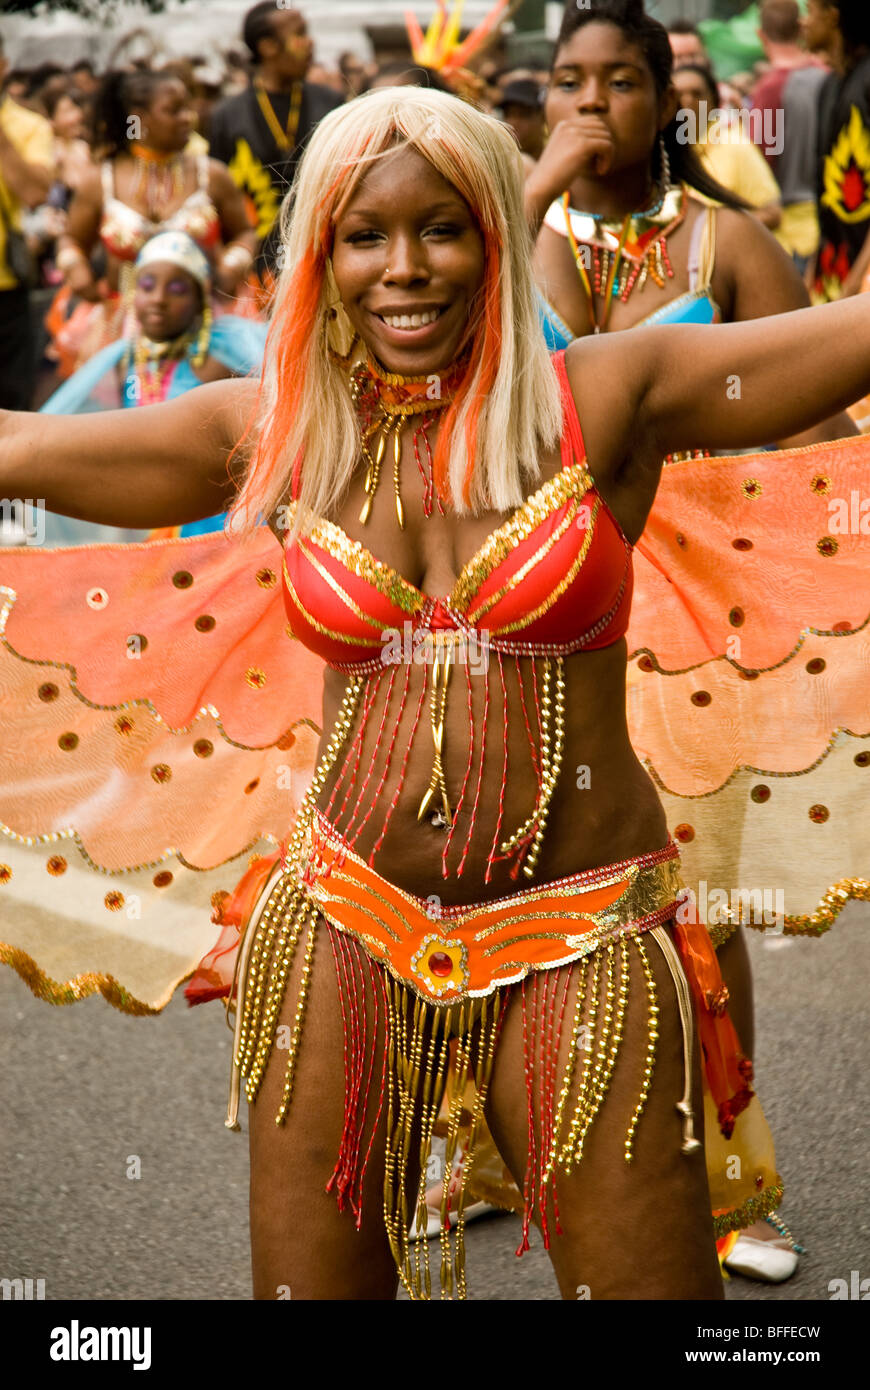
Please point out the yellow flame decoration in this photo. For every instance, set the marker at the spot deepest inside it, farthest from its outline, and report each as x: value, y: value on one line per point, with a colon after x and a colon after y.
x: 852, y: 144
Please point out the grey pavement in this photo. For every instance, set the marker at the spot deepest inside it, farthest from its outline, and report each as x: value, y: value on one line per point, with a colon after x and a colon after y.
x: 84, y: 1091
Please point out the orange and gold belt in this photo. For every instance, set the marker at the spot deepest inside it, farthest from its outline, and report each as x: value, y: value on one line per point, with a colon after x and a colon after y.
x: 446, y: 954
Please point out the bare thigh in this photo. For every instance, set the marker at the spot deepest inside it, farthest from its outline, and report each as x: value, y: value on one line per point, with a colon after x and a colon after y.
x: 301, y: 1244
x: 639, y: 1230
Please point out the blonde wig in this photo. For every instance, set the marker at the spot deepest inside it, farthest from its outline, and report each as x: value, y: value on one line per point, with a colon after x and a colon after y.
x: 508, y: 407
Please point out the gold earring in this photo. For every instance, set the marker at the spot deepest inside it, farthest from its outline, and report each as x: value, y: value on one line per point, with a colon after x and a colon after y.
x: 340, y: 335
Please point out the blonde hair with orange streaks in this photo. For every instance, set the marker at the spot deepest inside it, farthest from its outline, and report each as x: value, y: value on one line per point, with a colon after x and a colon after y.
x: 508, y: 408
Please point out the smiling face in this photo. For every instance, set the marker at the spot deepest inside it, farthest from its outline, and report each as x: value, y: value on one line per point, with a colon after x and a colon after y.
x: 598, y: 72
x: 166, y: 300
x: 408, y: 260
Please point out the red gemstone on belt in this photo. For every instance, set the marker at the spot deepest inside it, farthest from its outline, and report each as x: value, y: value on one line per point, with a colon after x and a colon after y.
x: 440, y: 963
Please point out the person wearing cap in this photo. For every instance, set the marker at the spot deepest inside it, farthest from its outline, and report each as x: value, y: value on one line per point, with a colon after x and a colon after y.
x: 174, y: 346
x: 522, y: 108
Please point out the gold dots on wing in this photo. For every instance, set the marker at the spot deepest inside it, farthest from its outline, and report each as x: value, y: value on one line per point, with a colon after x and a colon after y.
x: 5, y: 873
x: 820, y: 485
x: 68, y: 742
x: 827, y: 546
x: 645, y: 663
x: 56, y: 865
x: 862, y: 759
x: 266, y: 578
x: 742, y: 543
x: 114, y: 901
x: 760, y: 793
x: 163, y: 879
x: 751, y: 487
x: 255, y: 677
x: 816, y: 666
x: 702, y: 698
x: 161, y: 772
x: 203, y: 748
x: 818, y: 814
x: 205, y: 623
x: 182, y: 579
x: 124, y: 724
x: 684, y: 833
x: 737, y: 617
x: 252, y: 786
x: 48, y: 691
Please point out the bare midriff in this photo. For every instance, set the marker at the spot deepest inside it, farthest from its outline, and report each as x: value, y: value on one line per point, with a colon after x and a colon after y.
x: 604, y: 809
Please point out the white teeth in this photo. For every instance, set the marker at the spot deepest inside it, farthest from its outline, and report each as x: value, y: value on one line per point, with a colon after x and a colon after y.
x: 410, y: 320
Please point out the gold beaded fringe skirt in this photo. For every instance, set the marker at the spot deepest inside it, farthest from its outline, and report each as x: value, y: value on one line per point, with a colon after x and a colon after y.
x: 438, y: 989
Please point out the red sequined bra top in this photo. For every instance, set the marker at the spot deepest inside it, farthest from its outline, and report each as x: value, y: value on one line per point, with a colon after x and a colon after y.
x: 555, y: 578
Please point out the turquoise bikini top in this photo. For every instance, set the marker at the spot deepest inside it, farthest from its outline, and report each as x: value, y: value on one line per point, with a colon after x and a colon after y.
x: 697, y: 305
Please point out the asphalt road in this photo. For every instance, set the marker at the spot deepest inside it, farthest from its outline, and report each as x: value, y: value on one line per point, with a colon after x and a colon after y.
x: 84, y: 1091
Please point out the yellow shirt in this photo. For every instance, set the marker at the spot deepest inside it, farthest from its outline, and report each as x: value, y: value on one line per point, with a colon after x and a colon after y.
x: 197, y: 144
x: 739, y: 166
x: 32, y: 136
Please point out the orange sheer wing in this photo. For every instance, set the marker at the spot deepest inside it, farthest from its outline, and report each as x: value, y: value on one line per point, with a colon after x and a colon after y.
x: 159, y: 725
x: 750, y: 669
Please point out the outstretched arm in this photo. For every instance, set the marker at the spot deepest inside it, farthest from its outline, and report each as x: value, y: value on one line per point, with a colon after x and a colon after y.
x: 729, y: 386
x: 160, y: 465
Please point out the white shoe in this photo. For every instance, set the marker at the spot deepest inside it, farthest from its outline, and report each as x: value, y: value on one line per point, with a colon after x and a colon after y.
x: 433, y: 1218
x: 770, y: 1261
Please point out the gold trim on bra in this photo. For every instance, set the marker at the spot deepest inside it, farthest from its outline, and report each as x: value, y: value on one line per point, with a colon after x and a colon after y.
x: 498, y: 545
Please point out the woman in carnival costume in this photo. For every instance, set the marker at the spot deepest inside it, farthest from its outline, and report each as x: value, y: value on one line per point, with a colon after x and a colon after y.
x: 693, y: 253
x: 465, y: 628
x: 177, y: 345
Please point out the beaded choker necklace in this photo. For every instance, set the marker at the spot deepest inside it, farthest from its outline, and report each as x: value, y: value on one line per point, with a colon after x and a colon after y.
x: 622, y: 255
x: 385, y: 404
x: 161, y: 173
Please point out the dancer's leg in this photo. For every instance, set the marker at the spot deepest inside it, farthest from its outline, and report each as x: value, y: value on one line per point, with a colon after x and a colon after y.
x: 641, y: 1230
x: 299, y: 1240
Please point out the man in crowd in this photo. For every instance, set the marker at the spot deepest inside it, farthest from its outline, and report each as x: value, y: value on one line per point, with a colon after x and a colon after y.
x: 788, y: 97
x: 687, y: 45
x: 26, y: 163
x: 522, y: 108
x: 354, y: 72
x: 261, y: 132
x: 843, y: 178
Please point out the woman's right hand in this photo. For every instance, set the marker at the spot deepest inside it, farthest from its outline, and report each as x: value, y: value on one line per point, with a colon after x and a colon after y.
x: 583, y: 146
